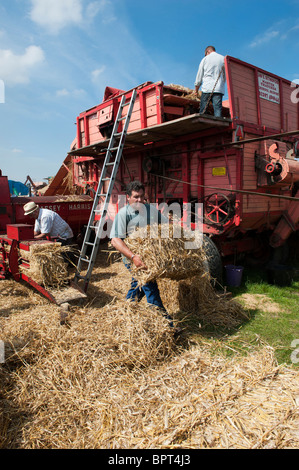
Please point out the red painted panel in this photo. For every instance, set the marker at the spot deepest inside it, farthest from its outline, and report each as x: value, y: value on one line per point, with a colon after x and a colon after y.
x: 260, y: 97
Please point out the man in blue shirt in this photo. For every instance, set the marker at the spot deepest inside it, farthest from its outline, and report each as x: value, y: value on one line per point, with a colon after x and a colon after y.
x: 137, y: 213
x: 211, y: 77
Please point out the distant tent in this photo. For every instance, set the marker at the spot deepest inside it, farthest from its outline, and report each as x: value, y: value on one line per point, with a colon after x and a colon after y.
x: 16, y: 188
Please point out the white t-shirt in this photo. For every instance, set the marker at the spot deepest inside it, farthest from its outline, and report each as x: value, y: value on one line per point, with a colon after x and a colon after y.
x: 51, y: 222
x: 208, y: 72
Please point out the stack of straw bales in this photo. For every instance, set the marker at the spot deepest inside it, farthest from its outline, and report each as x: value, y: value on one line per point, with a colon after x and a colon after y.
x: 183, y: 279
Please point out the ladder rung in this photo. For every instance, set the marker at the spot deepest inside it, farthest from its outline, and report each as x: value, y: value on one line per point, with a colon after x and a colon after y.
x: 84, y: 259
x: 89, y: 243
x: 106, y: 179
x: 108, y: 164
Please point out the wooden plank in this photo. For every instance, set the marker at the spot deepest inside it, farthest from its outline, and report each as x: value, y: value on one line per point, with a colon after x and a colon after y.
x: 158, y: 132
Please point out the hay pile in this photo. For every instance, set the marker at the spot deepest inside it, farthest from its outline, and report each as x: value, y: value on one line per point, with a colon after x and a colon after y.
x: 47, y: 264
x: 113, y: 379
x: 70, y: 198
x: 187, y: 92
x: 198, y: 300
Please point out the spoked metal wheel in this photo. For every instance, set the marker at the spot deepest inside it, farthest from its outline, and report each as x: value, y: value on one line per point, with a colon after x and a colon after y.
x: 217, y: 208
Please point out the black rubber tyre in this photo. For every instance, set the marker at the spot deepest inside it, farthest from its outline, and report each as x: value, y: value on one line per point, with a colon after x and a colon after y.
x: 214, y: 260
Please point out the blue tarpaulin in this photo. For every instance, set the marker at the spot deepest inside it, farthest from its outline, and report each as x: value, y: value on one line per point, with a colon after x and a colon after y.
x: 17, y: 188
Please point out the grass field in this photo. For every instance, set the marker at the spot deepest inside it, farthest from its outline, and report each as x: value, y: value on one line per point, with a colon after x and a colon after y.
x: 274, y: 313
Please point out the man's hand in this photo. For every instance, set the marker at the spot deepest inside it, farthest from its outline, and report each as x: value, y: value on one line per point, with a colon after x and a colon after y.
x: 120, y: 246
x: 137, y: 261
x: 41, y: 236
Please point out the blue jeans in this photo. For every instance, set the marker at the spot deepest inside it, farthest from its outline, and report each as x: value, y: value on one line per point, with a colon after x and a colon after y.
x: 151, y: 291
x: 216, y: 102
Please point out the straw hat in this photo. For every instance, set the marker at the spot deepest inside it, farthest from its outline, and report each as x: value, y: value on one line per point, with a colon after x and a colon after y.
x: 30, y: 207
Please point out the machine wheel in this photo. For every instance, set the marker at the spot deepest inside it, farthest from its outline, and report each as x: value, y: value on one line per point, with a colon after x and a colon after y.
x: 217, y: 208
x: 214, y: 260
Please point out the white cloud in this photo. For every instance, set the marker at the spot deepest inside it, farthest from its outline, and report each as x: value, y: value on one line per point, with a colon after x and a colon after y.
x: 73, y: 93
x: 95, y: 74
x: 16, y: 69
x: 63, y: 92
x: 56, y: 14
x: 93, y: 9
x: 266, y: 37
x: 290, y: 31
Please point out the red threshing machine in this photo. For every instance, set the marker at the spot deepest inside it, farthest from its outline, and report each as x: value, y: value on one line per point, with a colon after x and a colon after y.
x: 242, y: 167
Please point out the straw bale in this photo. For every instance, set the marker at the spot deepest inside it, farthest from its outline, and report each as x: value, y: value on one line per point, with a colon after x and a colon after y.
x: 196, y: 296
x: 187, y: 92
x: 47, y: 264
x: 183, y: 279
x: 163, y: 250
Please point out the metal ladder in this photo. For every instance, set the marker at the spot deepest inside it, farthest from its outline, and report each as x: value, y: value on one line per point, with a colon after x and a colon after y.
x: 112, y: 159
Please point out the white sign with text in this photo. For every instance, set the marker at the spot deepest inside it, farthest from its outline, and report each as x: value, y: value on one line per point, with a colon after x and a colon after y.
x: 268, y: 88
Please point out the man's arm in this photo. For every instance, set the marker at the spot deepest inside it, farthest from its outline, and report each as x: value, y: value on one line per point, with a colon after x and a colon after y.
x: 120, y: 246
x: 40, y: 236
x: 199, y: 77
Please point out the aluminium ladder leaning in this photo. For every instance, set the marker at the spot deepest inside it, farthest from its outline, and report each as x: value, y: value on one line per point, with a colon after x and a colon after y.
x: 93, y: 232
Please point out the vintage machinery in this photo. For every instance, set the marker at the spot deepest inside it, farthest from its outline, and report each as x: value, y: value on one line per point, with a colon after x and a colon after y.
x: 243, y: 168
x: 16, y: 233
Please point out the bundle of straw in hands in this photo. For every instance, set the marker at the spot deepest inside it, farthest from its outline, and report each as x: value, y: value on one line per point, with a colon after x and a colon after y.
x: 165, y: 252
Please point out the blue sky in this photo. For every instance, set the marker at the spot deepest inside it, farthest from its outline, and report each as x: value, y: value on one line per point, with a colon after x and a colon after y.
x: 57, y: 57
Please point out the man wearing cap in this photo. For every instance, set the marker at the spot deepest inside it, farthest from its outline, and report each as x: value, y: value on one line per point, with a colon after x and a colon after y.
x: 48, y: 224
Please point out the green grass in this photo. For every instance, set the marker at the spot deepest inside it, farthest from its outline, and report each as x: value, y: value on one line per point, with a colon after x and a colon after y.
x: 278, y: 327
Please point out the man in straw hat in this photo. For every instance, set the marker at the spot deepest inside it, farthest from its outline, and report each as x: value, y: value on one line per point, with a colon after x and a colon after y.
x: 137, y: 213
x: 48, y: 224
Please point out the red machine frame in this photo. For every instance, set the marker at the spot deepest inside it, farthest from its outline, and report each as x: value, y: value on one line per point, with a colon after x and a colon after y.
x: 243, y: 167
x: 190, y: 146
